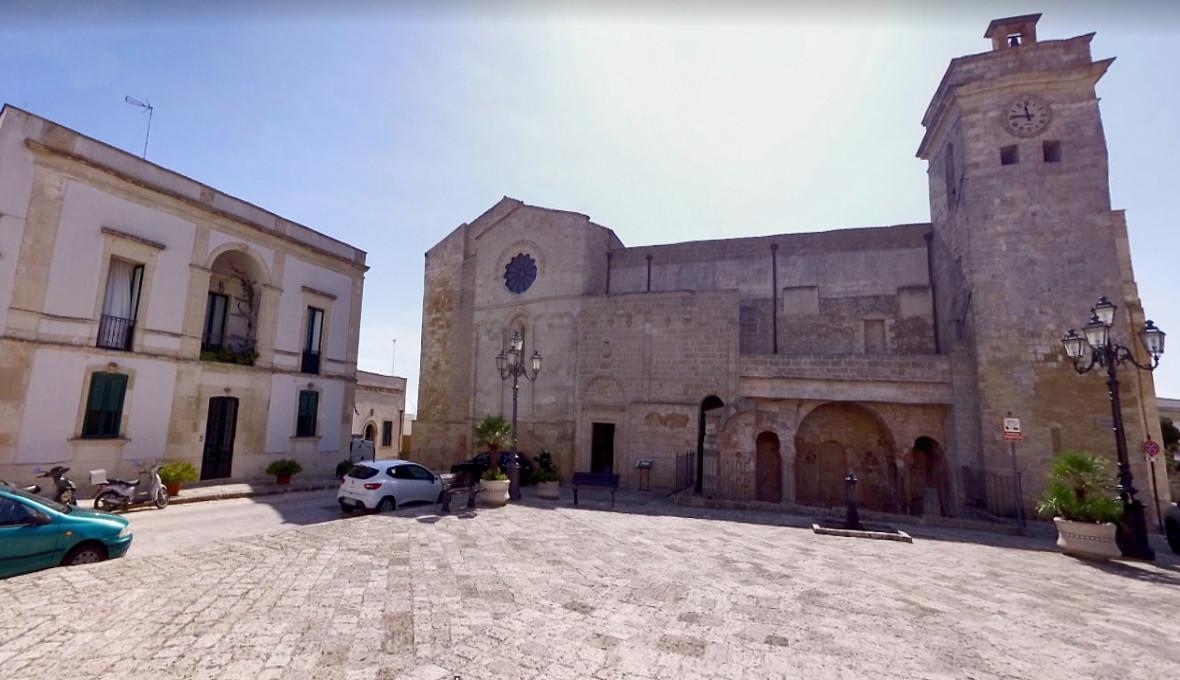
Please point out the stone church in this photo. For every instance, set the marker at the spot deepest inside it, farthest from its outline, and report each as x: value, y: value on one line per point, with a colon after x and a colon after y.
x: 765, y: 369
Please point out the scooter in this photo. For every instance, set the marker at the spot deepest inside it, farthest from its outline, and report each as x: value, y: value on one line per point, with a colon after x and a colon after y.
x: 64, y: 489
x: 116, y: 495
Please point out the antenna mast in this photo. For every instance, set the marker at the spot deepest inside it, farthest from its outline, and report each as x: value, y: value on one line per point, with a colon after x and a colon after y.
x: 148, y: 108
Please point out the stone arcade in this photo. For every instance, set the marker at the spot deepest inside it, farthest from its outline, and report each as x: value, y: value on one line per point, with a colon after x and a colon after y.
x: 775, y: 365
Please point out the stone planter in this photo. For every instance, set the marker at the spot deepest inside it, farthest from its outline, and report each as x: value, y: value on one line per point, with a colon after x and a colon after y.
x: 495, y: 492
x: 1086, y: 539
x: 549, y: 490
x: 173, y: 489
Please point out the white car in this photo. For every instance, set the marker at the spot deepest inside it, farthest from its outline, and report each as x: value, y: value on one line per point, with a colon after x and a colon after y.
x: 383, y: 485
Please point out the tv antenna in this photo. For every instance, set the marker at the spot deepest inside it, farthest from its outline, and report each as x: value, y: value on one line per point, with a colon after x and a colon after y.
x: 148, y: 108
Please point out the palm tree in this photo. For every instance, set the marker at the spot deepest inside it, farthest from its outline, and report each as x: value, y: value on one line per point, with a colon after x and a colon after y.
x: 493, y: 432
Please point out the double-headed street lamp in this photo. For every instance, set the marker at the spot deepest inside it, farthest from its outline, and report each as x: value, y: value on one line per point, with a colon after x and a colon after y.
x: 1103, y: 351
x: 511, y: 364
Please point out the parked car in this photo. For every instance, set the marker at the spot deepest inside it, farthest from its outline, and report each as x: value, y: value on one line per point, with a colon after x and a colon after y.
x: 38, y: 533
x: 480, y: 463
x: 383, y: 485
x: 1172, y: 527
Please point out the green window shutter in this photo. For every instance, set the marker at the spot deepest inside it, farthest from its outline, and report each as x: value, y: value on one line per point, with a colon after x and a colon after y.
x: 104, y: 405
x: 309, y: 402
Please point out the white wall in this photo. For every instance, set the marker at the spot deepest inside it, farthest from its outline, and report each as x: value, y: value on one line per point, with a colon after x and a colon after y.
x: 284, y: 403
x: 58, y: 390
x: 74, y: 270
x: 289, y: 336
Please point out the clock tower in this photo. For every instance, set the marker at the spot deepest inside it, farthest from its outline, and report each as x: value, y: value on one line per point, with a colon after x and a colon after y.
x: 1024, y: 241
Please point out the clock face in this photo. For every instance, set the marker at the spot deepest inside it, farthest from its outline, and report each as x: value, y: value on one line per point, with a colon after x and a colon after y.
x: 1027, y: 116
x: 520, y: 273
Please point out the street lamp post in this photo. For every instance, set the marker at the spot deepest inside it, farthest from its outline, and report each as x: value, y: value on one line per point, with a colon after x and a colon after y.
x: 1095, y: 338
x: 511, y: 364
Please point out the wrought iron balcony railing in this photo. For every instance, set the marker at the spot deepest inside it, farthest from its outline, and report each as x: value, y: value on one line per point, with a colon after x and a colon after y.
x: 115, y: 332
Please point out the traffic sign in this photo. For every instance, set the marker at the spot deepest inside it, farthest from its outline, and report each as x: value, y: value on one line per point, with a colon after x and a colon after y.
x: 1012, y: 431
x: 1151, y: 448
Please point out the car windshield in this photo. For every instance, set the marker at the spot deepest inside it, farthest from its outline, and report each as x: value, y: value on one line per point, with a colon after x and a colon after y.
x: 51, y: 504
x: 362, y: 472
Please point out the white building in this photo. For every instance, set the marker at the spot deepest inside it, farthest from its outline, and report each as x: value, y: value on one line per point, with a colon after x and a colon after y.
x: 146, y: 316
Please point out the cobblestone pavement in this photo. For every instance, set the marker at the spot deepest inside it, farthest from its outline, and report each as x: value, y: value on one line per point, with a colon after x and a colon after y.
x: 545, y: 591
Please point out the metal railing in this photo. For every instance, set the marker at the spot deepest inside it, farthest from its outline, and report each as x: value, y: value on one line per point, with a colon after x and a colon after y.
x: 311, y: 362
x: 230, y: 349
x: 991, y: 493
x: 115, y: 332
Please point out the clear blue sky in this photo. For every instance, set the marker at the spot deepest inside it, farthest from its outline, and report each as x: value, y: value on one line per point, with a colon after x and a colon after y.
x: 386, y: 125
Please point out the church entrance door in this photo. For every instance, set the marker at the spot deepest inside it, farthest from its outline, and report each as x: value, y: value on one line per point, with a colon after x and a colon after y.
x: 768, y: 471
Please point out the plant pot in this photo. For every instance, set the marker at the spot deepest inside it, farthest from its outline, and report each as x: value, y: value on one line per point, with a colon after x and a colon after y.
x: 495, y: 492
x: 1087, y: 539
x: 549, y: 490
x: 283, y: 479
x: 173, y: 489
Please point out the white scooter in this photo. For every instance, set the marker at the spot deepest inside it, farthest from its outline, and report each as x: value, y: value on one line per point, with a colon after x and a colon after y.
x: 116, y: 495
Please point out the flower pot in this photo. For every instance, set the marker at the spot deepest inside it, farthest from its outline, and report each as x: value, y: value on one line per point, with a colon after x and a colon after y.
x: 173, y: 489
x: 549, y: 490
x: 495, y: 492
x: 283, y: 479
x: 1086, y: 539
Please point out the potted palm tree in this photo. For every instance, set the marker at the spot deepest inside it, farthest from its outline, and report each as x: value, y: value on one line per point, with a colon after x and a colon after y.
x: 1080, y: 499
x: 494, y: 432
x: 176, y: 472
x: 548, y: 482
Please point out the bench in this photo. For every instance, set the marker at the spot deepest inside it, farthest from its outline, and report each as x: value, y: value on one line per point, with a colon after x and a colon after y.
x: 599, y: 480
x: 462, y: 482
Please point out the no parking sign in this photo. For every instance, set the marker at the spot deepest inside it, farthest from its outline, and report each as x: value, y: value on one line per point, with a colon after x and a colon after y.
x: 1151, y: 449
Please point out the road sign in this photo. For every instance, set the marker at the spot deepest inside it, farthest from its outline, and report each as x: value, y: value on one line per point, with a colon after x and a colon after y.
x: 1012, y: 431
x: 1151, y: 448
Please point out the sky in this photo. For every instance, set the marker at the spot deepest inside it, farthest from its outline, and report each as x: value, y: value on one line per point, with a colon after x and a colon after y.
x: 387, y: 125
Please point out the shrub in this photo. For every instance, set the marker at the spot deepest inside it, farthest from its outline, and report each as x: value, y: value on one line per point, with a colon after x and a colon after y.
x: 284, y: 467
x: 177, y: 472
x: 493, y: 432
x: 1080, y: 489
x: 494, y: 475
x: 546, y: 471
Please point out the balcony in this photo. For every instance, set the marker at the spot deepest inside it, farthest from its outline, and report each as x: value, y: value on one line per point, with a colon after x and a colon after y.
x: 233, y: 349
x: 115, y: 333
x: 311, y: 362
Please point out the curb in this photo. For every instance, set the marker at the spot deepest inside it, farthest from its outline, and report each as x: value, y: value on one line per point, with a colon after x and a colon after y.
x: 264, y: 491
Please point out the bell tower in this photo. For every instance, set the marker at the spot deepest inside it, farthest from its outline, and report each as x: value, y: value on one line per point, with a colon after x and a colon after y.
x: 1024, y: 241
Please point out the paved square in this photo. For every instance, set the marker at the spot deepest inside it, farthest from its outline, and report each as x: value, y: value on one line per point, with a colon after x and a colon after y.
x: 545, y: 591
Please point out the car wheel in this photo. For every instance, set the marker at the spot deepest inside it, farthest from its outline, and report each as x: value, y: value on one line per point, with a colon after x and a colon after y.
x: 107, y: 501
x: 161, y: 498
x: 87, y: 553
x: 1174, y: 536
x: 387, y: 504
x: 345, y: 508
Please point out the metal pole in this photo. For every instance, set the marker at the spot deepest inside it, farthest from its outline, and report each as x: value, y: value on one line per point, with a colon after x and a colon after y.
x: 1155, y: 495
x: 1132, y: 538
x: 1016, y: 480
x: 513, y: 466
x: 148, y: 136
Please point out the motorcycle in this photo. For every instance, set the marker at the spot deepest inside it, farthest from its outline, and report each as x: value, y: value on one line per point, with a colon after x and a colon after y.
x: 117, y: 495
x: 64, y: 490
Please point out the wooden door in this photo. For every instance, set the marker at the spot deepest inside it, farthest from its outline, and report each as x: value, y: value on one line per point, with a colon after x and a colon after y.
x: 768, y: 469
x: 220, y: 428
x: 832, y: 466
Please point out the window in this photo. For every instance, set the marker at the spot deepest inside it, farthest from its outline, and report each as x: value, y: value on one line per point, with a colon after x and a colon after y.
x: 1010, y: 155
x: 387, y: 433
x: 104, y: 406
x: 309, y: 404
x: 362, y: 472
x: 120, y: 304
x: 874, y: 336
x: 13, y: 513
x: 1051, y: 151
x: 215, y: 314
x: 312, y: 340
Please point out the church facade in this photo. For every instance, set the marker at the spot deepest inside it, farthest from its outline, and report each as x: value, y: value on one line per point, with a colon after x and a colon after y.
x: 767, y: 368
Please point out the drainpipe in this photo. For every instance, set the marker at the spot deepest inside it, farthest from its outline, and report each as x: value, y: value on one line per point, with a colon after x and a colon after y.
x: 929, y: 236
x: 774, y: 296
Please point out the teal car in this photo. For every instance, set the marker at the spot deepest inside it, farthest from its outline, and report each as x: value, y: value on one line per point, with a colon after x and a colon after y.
x: 38, y: 533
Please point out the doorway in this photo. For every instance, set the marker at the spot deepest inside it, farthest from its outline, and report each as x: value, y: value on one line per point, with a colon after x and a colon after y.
x: 768, y: 469
x: 602, y: 447
x: 217, y: 462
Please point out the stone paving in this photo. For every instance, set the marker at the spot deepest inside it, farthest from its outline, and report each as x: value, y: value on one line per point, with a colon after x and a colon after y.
x: 553, y: 591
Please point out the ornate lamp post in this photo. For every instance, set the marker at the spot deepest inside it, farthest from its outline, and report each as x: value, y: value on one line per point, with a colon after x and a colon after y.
x: 1095, y: 339
x: 511, y: 365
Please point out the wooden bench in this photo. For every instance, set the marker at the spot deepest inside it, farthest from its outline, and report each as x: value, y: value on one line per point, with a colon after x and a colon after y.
x: 599, y: 480
x: 461, y: 483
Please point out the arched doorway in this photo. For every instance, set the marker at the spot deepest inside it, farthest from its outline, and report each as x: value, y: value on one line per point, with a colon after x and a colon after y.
x: 838, y: 438
x: 708, y: 425
x: 371, y: 432
x: 923, y: 494
x: 768, y: 469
